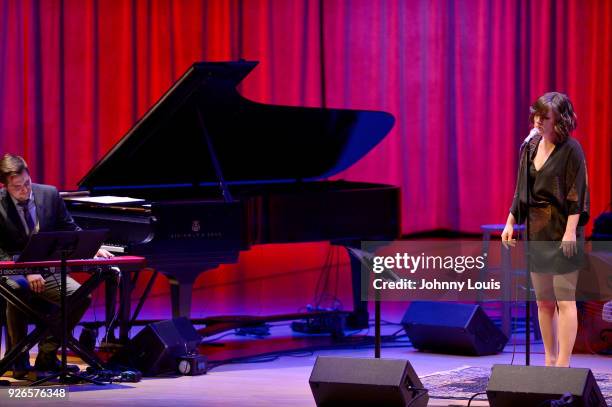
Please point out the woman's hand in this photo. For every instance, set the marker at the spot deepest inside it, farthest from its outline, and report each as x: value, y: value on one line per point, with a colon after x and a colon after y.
x: 506, y: 236
x: 568, y: 244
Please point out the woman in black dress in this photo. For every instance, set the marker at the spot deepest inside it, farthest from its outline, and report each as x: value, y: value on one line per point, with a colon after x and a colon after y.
x: 558, y: 210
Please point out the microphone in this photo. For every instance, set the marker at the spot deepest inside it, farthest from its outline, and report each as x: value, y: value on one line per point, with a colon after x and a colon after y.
x: 534, y: 132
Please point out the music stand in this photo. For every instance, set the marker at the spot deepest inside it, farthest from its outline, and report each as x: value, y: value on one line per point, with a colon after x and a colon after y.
x: 48, y: 246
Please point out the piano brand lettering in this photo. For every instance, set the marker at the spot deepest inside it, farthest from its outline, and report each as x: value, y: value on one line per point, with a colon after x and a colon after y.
x: 196, y: 235
x: 404, y: 261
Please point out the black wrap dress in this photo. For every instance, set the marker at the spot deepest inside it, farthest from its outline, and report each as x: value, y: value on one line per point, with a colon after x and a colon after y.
x: 556, y: 191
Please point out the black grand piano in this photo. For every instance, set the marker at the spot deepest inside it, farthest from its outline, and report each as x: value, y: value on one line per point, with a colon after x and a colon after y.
x: 217, y: 173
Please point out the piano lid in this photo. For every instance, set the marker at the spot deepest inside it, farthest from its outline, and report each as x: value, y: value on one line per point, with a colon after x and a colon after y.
x: 252, y: 141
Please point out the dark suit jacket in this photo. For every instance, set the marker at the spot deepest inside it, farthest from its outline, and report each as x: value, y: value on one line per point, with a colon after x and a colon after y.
x: 51, y: 213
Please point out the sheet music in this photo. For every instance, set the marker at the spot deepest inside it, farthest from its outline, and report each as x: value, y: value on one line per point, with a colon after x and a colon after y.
x: 105, y: 199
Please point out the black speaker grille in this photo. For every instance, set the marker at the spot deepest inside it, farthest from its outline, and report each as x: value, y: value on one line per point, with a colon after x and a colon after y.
x: 365, y: 382
x: 533, y: 385
x: 452, y: 328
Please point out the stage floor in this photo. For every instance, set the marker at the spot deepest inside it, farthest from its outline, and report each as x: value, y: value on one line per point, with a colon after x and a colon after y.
x: 284, y: 381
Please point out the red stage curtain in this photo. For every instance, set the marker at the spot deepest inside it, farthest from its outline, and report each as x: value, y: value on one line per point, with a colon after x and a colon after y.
x: 458, y: 76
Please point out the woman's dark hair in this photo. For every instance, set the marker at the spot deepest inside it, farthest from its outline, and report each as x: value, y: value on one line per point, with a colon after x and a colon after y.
x: 563, y: 113
x: 11, y: 165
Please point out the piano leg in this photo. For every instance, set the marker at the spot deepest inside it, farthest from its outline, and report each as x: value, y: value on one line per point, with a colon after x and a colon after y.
x: 359, y: 318
x: 180, y: 297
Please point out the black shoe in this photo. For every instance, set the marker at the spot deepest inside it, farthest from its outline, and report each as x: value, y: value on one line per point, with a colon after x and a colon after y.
x: 44, y: 364
x: 20, y: 374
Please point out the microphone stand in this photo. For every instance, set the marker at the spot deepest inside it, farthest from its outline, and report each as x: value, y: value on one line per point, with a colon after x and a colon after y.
x: 387, y: 275
x: 377, y: 333
x: 525, y: 156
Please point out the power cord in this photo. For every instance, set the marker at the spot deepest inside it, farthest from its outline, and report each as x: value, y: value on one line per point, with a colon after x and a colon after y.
x: 565, y: 401
x: 474, y: 396
x: 422, y: 392
x: 108, y: 327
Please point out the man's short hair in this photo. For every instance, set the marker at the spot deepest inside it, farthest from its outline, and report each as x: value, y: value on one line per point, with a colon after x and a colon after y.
x: 11, y: 165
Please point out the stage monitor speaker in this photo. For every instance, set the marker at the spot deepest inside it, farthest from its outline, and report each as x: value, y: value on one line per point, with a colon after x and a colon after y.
x: 366, y: 382
x: 157, y: 346
x: 447, y: 327
x: 511, y: 386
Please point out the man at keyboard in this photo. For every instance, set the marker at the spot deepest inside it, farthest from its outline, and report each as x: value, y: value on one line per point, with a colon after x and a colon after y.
x: 27, y: 208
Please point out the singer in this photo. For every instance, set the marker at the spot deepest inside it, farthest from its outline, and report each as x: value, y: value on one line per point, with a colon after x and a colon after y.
x: 552, y: 195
